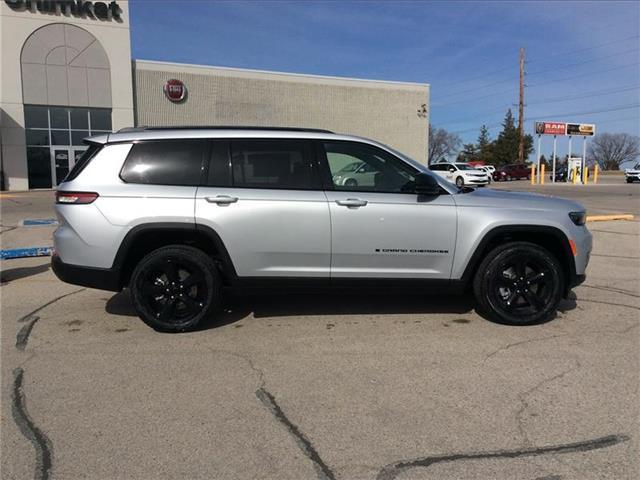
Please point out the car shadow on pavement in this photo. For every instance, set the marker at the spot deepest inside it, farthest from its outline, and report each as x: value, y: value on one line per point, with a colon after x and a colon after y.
x: 238, y: 305
x: 18, y: 273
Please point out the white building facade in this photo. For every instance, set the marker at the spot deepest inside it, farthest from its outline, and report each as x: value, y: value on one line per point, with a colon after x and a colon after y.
x: 66, y: 73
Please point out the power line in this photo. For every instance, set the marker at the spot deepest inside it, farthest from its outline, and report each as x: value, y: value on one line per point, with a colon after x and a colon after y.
x: 587, y: 48
x: 624, y: 119
x: 554, y: 55
x: 597, y: 72
x: 591, y: 112
x: 583, y: 62
x: 467, y: 100
x: 591, y: 73
x: 477, y: 88
x: 564, y: 114
x: 596, y: 93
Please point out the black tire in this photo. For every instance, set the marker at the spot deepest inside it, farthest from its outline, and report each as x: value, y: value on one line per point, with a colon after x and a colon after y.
x: 519, y: 283
x: 459, y: 182
x: 509, y: 178
x: 629, y: 180
x: 351, y: 182
x: 174, y: 288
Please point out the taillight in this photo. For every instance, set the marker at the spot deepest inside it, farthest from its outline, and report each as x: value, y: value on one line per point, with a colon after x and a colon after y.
x: 75, y: 198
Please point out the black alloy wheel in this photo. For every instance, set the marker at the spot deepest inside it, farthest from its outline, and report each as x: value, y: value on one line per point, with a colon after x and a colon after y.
x: 519, y: 284
x: 174, y: 288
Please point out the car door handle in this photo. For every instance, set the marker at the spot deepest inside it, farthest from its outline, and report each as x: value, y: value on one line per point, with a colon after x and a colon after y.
x: 221, y: 199
x: 351, y: 202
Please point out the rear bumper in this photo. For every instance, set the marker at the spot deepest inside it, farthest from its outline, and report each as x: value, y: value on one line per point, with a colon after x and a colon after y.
x: 100, y: 278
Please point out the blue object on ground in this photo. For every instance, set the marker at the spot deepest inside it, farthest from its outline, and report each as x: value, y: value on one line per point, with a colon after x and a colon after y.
x: 25, y: 252
x: 32, y: 222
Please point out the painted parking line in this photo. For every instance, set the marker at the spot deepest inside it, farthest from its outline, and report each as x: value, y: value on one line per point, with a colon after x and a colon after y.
x: 606, y: 218
x: 10, y: 253
x: 36, y: 222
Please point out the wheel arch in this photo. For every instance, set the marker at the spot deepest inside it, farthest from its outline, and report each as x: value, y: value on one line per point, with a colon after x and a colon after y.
x: 550, y: 238
x: 142, y: 239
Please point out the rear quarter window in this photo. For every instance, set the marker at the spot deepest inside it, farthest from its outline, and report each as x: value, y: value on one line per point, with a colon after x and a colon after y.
x: 83, y: 161
x: 178, y: 162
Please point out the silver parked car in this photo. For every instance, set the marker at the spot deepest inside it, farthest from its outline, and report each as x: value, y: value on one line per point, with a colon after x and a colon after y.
x: 175, y: 214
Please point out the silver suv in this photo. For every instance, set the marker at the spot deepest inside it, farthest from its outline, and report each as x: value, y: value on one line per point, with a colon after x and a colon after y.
x: 175, y: 214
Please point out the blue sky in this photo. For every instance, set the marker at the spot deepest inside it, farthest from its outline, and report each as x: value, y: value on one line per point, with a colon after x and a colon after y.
x: 583, y: 58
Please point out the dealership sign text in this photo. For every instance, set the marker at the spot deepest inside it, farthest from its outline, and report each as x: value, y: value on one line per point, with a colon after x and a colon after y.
x: 77, y: 8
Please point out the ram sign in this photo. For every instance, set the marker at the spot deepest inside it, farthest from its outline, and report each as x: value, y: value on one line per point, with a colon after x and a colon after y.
x: 551, y: 128
x: 561, y: 128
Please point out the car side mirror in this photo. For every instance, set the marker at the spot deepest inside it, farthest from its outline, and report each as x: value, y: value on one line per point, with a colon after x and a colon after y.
x: 425, y: 184
x: 452, y: 169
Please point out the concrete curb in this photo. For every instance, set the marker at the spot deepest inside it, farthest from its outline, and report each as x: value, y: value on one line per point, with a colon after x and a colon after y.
x: 11, y: 253
x: 606, y: 218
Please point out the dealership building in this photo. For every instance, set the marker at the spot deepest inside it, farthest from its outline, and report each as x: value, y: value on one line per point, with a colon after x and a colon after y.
x: 66, y: 73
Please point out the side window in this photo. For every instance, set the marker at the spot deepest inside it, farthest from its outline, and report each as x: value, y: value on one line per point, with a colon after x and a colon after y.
x: 219, y: 174
x: 172, y: 162
x: 277, y: 164
x: 381, y: 172
x: 437, y: 167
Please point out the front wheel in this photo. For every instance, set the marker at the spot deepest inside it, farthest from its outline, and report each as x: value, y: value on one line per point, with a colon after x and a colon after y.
x: 174, y: 288
x: 629, y: 180
x: 459, y: 182
x: 519, y: 283
x: 351, y: 182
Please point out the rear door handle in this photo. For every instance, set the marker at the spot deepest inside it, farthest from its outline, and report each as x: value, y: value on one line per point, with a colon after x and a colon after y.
x: 221, y: 199
x: 352, y: 202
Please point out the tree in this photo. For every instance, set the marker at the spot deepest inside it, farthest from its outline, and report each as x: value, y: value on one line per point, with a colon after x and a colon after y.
x: 610, y: 150
x: 544, y: 161
x: 485, y: 146
x: 469, y: 153
x: 506, y: 145
x: 442, y: 144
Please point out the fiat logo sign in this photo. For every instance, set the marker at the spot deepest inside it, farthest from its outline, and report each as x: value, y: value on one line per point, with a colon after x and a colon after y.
x: 175, y: 90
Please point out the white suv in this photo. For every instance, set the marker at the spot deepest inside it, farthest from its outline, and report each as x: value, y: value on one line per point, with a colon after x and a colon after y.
x: 461, y: 174
x: 175, y: 214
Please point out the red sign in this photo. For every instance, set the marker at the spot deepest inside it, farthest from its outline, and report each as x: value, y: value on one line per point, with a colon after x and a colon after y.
x: 551, y: 128
x: 175, y: 90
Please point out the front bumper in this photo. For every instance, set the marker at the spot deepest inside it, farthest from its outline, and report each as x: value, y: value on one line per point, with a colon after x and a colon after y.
x: 92, y: 277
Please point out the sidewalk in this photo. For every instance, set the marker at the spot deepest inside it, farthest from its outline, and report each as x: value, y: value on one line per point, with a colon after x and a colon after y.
x: 27, y: 222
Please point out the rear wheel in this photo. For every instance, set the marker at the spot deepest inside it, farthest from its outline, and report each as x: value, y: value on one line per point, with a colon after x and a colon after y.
x: 459, y: 182
x: 519, y: 283
x: 173, y: 288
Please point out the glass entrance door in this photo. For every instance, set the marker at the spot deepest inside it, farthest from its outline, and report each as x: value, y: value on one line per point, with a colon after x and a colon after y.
x: 63, y: 158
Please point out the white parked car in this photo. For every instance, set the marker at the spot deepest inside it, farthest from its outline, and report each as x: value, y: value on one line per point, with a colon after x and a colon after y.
x: 632, y: 174
x: 489, y: 169
x: 461, y: 174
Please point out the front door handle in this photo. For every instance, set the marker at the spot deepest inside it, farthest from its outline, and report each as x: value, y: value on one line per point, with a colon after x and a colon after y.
x: 221, y: 199
x: 352, y: 203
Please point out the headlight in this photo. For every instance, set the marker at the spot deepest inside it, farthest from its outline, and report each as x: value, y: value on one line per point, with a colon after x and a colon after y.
x: 579, y: 218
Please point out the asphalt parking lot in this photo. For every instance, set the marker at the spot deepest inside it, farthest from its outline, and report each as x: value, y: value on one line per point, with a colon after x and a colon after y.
x: 340, y: 386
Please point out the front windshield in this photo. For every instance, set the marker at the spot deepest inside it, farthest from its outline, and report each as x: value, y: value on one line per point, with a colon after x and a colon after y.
x: 352, y: 167
x: 464, y: 166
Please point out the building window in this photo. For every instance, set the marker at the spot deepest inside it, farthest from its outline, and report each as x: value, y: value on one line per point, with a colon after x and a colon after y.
x: 63, y: 127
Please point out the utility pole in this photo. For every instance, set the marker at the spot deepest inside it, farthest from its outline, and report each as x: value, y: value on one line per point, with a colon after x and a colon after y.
x: 521, y: 111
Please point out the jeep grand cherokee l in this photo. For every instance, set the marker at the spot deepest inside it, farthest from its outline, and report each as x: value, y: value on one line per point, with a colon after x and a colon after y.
x: 174, y: 214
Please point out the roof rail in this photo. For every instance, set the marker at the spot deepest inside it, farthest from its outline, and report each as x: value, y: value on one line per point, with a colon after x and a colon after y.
x: 223, y: 127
